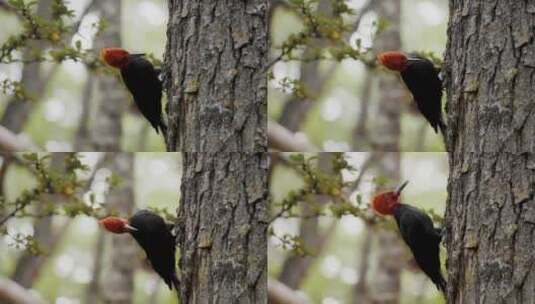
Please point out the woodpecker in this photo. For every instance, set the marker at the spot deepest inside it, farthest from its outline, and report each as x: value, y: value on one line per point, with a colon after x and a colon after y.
x: 141, y: 79
x: 153, y: 235
x: 417, y: 231
x: 423, y: 81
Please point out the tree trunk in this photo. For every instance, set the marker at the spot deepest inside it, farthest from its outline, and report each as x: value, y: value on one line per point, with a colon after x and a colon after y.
x: 111, y: 100
x: 215, y: 80
x: 222, y: 228
x: 119, y: 280
x: 490, y: 71
x: 17, y: 111
x: 490, y: 217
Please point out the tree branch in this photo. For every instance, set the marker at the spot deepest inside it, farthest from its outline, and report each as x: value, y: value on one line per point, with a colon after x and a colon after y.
x: 11, y: 292
x: 9, y: 142
x: 279, y: 293
x: 282, y: 139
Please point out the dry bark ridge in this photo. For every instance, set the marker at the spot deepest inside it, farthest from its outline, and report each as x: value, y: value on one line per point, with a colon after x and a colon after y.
x: 214, y: 78
x: 222, y: 228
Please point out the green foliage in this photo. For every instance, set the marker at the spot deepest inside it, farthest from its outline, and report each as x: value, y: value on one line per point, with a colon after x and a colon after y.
x: 53, y: 34
x: 330, y: 186
x: 334, y: 193
x: 58, y: 191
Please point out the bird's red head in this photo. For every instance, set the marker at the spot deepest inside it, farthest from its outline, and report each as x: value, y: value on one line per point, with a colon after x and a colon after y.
x: 385, y: 203
x: 115, y: 57
x: 116, y: 225
x: 393, y: 60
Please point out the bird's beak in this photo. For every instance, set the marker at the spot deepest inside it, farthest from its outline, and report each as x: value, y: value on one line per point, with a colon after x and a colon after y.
x: 138, y: 55
x: 398, y: 192
x: 103, y: 54
x: 130, y: 227
x: 414, y: 59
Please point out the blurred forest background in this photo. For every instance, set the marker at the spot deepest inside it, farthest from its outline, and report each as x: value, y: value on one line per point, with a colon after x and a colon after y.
x: 69, y: 101
x: 327, y: 246
x: 67, y: 258
x: 325, y: 87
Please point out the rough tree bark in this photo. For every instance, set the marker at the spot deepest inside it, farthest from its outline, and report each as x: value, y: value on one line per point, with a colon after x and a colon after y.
x: 17, y: 110
x: 215, y: 80
x: 490, y: 216
x: 222, y: 228
x: 111, y: 99
x: 118, y: 283
x: 490, y: 236
x: 490, y: 76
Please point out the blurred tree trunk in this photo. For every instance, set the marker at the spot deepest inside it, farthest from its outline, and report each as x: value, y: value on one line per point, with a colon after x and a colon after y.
x: 82, y: 140
x: 29, y: 266
x: 222, y: 228
x: 296, y: 109
x: 385, y: 137
x: 386, y: 281
x: 489, y: 228
x: 119, y: 280
x: 215, y: 80
x: 111, y: 100
x: 17, y: 110
x: 386, y: 127
x: 361, y: 294
x: 92, y: 292
x: 295, y: 267
x: 489, y: 71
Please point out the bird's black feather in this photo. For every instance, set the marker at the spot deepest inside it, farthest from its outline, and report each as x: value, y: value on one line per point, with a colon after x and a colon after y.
x: 423, y: 239
x: 422, y: 80
x: 158, y: 243
x: 141, y: 79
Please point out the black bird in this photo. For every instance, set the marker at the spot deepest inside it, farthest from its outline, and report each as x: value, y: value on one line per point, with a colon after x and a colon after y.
x: 154, y: 236
x: 417, y: 231
x: 141, y: 79
x: 423, y: 81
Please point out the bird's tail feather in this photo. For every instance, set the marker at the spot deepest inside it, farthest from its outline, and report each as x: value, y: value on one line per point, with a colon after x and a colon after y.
x: 442, y: 127
x: 163, y: 128
x: 175, y: 282
x: 440, y: 283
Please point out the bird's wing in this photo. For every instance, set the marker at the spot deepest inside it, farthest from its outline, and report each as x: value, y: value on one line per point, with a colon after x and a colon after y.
x: 142, y: 81
x: 158, y: 243
x: 422, y: 80
x: 415, y: 226
x: 417, y: 231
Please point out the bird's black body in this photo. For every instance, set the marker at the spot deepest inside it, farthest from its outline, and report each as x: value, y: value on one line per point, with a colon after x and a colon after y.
x: 423, y: 239
x: 421, y: 78
x: 154, y: 236
x: 141, y: 79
